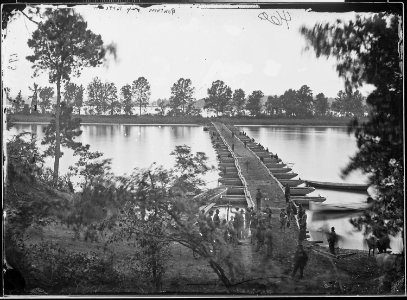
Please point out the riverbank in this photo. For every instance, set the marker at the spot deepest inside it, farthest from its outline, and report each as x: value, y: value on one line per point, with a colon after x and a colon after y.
x: 199, y: 120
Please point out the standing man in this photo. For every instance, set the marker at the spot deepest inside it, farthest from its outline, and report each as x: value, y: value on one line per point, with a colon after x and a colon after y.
x: 289, y: 211
x: 247, y: 166
x: 233, y: 134
x: 260, y: 234
x: 245, y: 143
x: 248, y: 217
x: 283, y: 220
x: 287, y: 193
x: 216, y: 219
x: 332, y: 239
x: 300, y: 261
x: 258, y: 199
x: 233, y: 147
x: 268, y: 239
x: 253, y: 227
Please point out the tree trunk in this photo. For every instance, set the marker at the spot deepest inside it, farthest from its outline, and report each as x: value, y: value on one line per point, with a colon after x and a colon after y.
x: 140, y: 109
x: 57, y: 133
x: 221, y: 273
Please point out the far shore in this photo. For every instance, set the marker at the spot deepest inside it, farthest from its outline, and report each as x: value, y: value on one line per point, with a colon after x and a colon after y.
x: 187, y: 120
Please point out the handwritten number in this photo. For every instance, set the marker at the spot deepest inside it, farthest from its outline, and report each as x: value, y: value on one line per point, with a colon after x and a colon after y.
x: 276, y: 20
x: 285, y: 18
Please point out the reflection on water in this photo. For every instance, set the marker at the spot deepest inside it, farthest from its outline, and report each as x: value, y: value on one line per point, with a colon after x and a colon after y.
x: 132, y: 146
x: 317, y: 153
x: 320, y: 153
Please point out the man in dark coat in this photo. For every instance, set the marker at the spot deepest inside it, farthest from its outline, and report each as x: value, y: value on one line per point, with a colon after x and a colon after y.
x: 258, y: 199
x: 332, y: 239
x: 253, y: 227
x: 300, y: 261
x: 268, y: 240
x: 287, y: 193
x: 216, y: 219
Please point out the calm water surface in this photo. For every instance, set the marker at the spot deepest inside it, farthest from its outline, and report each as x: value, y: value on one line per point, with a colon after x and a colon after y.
x: 132, y: 146
x: 319, y: 154
x: 315, y: 153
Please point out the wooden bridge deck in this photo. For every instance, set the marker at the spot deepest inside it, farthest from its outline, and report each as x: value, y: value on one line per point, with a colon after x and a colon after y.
x: 254, y: 172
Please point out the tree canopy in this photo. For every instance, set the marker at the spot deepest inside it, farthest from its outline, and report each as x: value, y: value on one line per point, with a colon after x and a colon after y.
x: 141, y: 92
x: 219, y: 97
x: 367, y: 52
x: 181, y: 99
x: 63, y: 46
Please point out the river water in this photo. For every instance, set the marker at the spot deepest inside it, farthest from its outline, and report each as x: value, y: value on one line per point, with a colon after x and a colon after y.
x: 315, y: 153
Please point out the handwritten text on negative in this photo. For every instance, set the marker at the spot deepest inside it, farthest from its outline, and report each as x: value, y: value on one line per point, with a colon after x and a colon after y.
x: 278, y: 18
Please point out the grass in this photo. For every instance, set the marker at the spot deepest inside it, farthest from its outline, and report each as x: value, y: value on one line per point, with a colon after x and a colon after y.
x: 150, y: 119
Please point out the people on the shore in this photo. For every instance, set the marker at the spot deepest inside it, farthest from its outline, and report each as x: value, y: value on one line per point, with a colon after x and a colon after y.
x: 239, y: 223
x: 283, y: 220
x: 301, y: 211
x: 232, y: 231
x: 245, y: 143
x: 253, y: 227
x: 300, y: 261
x: 332, y: 240
x: 248, y: 217
x: 289, y: 211
x: 261, y: 229
x: 268, y: 240
x: 287, y: 193
x: 269, y: 214
x: 216, y: 219
x: 258, y: 199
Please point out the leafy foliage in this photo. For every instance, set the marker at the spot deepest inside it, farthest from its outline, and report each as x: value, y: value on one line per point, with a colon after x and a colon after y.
x: 367, y: 51
x: 238, y: 101
x: 70, y: 128
x: 34, y: 97
x: 321, y: 105
x: 348, y: 103
x: 73, y: 95
x: 162, y: 104
x: 219, y: 97
x: 181, y: 99
x: 189, y: 167
x: 46, y: 94
x: 141, y: 92
x: 254, y: 103
x: 126, y: 99
x: 103, y: 96
x: 305, y: 102
x: 63, y: 46
x: 18, y: 103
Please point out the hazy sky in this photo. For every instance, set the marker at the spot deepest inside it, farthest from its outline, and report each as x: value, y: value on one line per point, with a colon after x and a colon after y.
x: 234, y: 45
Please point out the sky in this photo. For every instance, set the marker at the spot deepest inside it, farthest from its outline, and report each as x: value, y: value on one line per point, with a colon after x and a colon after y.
x: 166, y: 42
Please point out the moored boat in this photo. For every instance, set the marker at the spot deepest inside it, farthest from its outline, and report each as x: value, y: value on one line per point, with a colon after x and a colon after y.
x: 338, y: 186
x: 284, y: 175
x: 279, y: 170
x: 291, y: 182
x: 301, y: 191
x: 325, y: 207
x: 304, y: 200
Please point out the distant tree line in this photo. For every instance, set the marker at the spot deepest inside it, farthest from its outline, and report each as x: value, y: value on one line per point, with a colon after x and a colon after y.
x: 105, y: 98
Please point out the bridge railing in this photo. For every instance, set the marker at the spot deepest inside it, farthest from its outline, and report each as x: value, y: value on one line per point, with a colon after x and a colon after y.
x: 278, y: 182
x: 247, y: 194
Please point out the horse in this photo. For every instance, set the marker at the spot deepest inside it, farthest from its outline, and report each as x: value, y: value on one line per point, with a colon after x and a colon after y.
x: 381, y: 244
x: 372, y: 243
